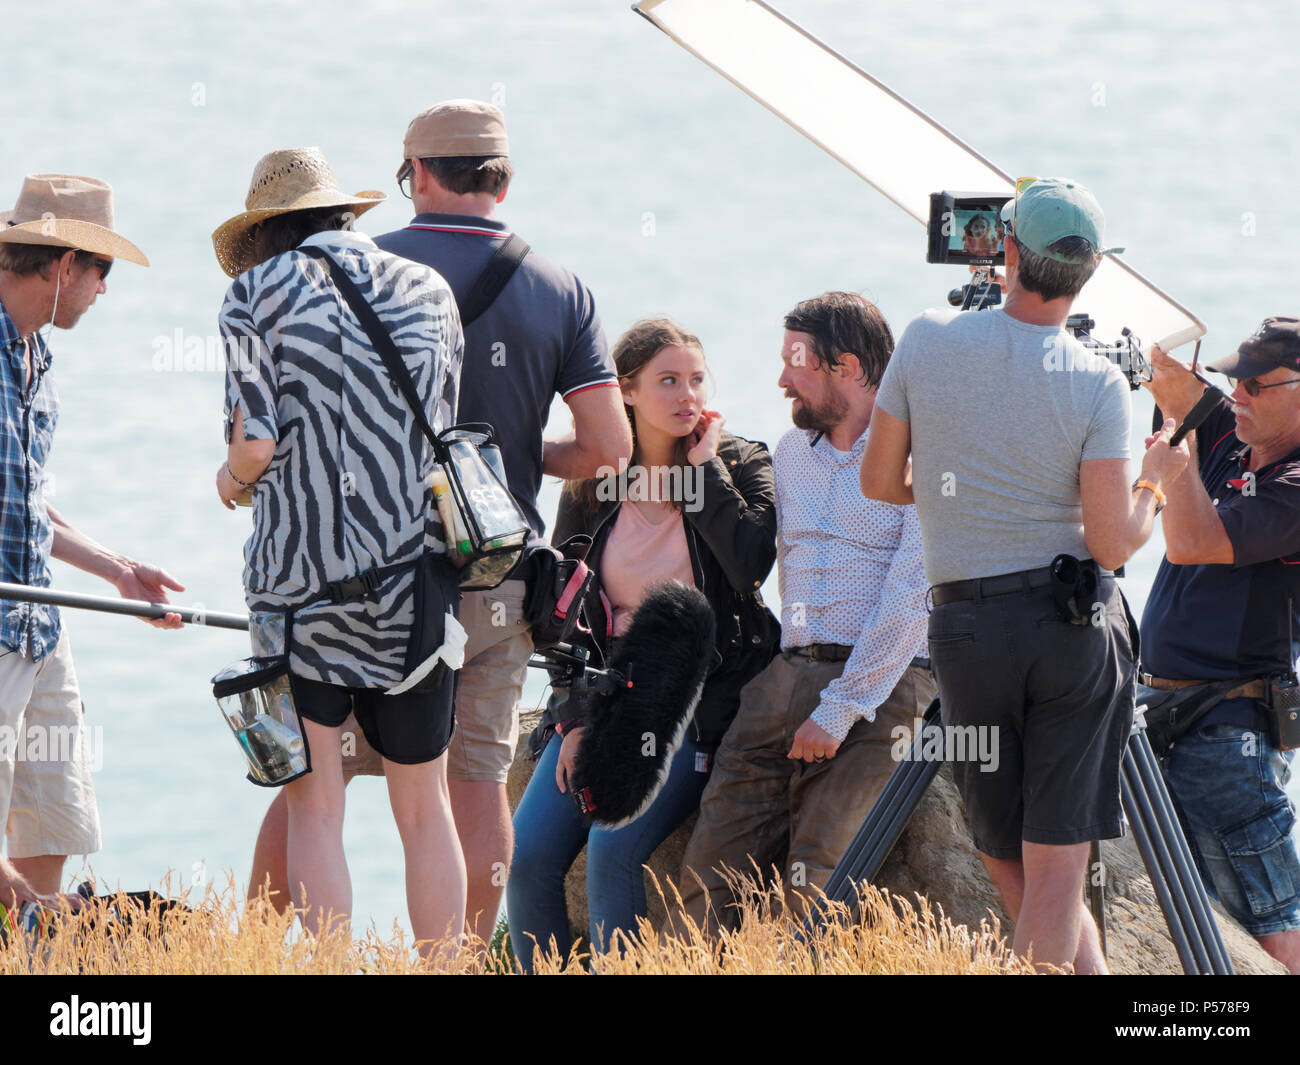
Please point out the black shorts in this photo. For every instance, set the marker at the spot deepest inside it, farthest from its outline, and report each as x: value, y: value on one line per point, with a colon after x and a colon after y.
x: 1057, y: 702
x: 409, y: 729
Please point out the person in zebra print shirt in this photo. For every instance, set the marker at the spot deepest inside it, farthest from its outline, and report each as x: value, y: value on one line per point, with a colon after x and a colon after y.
x: 339, y: 479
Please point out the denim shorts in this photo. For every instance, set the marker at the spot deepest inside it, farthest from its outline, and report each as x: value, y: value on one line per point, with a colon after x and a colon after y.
x: 1229, y: 784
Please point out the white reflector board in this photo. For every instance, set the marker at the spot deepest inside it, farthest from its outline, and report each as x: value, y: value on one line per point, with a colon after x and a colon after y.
x: 882, y: 138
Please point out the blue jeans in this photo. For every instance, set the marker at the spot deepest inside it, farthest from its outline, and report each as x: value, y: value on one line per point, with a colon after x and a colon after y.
x: 1228, y: 782
x: 550, y: 833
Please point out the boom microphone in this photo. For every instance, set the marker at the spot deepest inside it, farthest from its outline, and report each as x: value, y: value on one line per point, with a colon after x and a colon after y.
x: 632, y: 734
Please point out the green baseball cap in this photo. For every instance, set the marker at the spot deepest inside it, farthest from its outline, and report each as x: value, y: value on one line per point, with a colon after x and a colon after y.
x: 1052, y: 209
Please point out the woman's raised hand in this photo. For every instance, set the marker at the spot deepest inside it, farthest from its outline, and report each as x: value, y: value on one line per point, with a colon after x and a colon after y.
x: 705, y: 437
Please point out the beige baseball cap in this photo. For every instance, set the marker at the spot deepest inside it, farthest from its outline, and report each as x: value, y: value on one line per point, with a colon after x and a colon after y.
x: 455, y: 128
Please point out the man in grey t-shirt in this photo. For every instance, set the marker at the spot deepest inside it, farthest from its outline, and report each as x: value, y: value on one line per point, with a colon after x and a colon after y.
x: 1018, y: 439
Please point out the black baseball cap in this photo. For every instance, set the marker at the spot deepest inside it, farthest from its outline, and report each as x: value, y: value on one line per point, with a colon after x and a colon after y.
x: 1275, y: 343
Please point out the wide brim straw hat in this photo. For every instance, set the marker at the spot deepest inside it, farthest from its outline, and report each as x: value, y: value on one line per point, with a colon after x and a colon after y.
x: 66, y: 211
x: 292, y: 179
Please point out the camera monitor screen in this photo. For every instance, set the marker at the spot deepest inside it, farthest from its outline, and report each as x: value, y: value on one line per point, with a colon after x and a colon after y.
x: 966, y: 228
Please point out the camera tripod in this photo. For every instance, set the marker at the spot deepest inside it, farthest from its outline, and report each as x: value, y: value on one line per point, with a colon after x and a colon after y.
x: 1148, y: 807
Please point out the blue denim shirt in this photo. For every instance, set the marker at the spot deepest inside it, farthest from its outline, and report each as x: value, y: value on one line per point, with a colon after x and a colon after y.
x: 27, y: 419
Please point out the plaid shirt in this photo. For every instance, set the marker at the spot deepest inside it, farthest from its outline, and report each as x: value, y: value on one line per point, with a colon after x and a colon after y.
x: 27, y: 420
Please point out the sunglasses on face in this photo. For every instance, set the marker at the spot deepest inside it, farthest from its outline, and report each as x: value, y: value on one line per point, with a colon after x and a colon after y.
x: 104, y: 265
x: 1253, y: 388
x: 404, y: 179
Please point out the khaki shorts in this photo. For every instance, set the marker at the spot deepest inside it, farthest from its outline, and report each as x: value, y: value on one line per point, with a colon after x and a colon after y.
x: 487, y: 692
x: 47, y: 798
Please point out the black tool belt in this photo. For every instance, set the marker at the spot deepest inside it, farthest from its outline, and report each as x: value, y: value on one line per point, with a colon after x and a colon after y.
x: 984, y: 587
x: 362, y: 586
x: 1173, y: 712
x: 1074, y: 584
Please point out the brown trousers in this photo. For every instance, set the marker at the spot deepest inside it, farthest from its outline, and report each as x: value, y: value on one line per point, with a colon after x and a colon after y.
x: 799, y: 817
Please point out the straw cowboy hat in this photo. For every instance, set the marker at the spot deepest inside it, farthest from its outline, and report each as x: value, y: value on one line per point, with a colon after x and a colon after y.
x: 67, y: 212
x: 293, y: 179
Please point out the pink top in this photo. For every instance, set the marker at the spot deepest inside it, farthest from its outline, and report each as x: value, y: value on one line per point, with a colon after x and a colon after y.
x: 641, y: 552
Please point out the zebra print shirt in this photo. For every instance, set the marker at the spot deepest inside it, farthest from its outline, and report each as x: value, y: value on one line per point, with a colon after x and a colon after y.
x: 348, y: 486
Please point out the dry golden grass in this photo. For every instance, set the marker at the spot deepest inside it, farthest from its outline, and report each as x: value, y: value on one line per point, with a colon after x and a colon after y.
x: 225, y: 935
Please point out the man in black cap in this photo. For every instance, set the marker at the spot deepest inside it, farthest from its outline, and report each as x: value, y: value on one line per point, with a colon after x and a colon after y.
x: 1219, y: 628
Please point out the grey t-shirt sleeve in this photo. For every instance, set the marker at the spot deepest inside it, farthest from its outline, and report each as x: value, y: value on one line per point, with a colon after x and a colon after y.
x: 1108, y: 432
x: 587, y: 361
x: 891, y: 396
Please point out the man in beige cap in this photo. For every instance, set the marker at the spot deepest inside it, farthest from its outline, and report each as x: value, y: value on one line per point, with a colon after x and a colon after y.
x: 529, y: 336
x: 56, y: 247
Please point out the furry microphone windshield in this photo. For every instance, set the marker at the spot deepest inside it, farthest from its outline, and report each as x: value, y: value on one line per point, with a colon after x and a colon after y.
x: 631, y: 736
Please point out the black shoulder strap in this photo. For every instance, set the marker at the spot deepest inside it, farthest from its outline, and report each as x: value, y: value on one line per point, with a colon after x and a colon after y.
x: 382, y: 342
x: 488, y: 285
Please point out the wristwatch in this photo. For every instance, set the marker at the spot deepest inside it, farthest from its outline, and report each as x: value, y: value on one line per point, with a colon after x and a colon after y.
x: 1154, y: 490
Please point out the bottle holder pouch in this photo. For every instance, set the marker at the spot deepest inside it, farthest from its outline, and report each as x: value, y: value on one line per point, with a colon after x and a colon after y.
x: 486, y: 531
x: 257, y: 702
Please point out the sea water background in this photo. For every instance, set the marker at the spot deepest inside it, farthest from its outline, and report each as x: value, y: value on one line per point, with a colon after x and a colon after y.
x: 656, y: 181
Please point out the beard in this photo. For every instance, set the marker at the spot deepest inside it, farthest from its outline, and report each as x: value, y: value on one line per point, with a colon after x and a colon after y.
x: 822, y: 418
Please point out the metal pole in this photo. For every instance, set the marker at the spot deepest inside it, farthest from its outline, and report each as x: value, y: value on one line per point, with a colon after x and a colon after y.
x: 888, y: 817
x: 1188, y: 874
x: 1142, y: 836
x: 132, y: 607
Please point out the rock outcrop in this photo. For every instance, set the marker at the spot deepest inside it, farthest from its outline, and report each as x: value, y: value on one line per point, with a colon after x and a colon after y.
x: 934, y: 857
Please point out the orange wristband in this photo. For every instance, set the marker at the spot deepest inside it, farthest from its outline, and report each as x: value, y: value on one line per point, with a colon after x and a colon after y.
x: 1155, y: 491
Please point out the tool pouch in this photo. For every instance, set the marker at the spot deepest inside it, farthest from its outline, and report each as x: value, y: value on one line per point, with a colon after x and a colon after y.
x: 1284, y: 702
x: 558, y: 581
x: 1074, y: 588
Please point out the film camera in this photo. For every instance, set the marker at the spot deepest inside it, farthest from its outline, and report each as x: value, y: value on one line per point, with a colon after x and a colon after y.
x: 966, y: 229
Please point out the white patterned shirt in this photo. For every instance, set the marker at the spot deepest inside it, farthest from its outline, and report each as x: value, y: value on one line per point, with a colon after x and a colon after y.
x: 851, y: 573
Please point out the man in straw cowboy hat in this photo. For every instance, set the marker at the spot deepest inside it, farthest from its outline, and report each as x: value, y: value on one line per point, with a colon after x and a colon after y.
x: 56, y: 248
x: 340, y: 475
x: 536, y: 337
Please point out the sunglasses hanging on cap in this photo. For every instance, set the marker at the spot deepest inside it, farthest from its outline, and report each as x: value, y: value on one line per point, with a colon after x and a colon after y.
x: 1021, y: 184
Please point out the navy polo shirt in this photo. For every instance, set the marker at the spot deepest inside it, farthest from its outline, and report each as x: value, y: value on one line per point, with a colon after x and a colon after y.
x: 1215, y: 622
x: 540, y: 338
